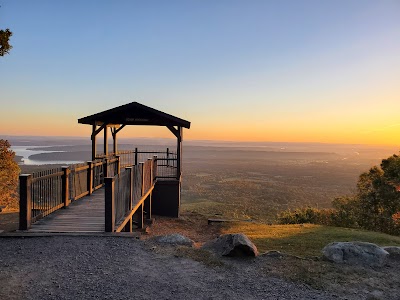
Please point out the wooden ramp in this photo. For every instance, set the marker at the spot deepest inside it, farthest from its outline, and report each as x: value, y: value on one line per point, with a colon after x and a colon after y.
x: 84, y: 215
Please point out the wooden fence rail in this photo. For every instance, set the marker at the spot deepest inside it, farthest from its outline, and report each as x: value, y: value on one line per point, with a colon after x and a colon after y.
x: 128, y: 197
x: 44, y: 192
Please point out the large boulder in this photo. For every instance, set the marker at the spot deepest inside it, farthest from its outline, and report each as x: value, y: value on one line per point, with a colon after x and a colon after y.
x: 174, y: 239
x: 237, y: 244
x: 355, y: 253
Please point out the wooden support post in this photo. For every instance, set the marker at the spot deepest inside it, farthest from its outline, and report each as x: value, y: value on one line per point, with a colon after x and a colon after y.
x: 65, y: 186
x: 138, y: 217
x: 178, y: 133
x: 105, y: 168
x: 25, y: 201
x: 128, y: 226
x: 114, y: 135
x: 105, y: 141
x: 179, y: 154
x: 109, y: 205
x: 141, y: 166
x: 115, y: 144
x: 118, y: 164
x: 90, y: 177
x: 94, y: 127
x: 136, y: 156
x: 139, y: 212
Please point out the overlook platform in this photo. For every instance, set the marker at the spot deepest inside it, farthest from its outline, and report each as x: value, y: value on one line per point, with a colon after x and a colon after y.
x: 114, y: 191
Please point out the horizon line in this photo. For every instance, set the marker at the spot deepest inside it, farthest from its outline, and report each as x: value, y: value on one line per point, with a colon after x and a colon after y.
x: 205, y: 140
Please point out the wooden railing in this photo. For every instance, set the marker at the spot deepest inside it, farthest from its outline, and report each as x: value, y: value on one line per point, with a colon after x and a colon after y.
x: 44, y: 192
x: 167, y: 161
x: 128, y: 196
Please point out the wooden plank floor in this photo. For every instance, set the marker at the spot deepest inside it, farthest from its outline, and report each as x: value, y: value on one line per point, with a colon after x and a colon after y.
x: 83, y: 215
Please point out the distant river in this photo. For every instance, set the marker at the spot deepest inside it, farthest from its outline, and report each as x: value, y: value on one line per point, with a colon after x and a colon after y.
x: 25, y: 153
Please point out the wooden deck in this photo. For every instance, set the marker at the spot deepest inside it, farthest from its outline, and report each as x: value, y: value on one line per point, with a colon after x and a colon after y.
x: 83, y: 215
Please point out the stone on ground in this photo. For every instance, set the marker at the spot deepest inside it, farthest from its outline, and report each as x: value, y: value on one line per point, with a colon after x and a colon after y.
x: 237, y: 245
x: 355, y: 253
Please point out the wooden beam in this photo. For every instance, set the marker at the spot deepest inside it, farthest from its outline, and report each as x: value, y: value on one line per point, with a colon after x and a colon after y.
x: 119, y: 129
x: 173, y: 130
x: 96, y: 132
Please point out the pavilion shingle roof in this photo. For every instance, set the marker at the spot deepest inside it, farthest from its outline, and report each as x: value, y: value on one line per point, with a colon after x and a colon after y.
x: 134, y: 114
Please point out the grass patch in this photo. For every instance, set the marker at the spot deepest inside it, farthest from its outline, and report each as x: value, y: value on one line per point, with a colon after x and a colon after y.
x: 304, y: 240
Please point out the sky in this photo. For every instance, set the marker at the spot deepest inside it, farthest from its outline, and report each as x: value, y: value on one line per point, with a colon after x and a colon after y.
x: 283, y: 71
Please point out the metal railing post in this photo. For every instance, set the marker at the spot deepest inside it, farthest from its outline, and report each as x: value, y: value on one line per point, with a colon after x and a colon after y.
x: 109, y: 205
x: 136, y: 156
x: 154, y: 168
x: 167, y: 157
x: 65, y: 186
x: 25, y: 201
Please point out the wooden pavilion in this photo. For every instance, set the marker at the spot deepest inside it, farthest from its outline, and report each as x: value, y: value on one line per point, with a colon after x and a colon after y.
x: 166, y: 194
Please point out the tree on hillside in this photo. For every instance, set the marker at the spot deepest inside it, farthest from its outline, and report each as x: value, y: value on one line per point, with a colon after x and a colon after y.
x: 376, y: 205
x: 9, y: 172
x: 5, y: 46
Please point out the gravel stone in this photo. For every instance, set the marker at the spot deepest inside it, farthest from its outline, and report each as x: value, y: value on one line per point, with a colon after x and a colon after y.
x: 73, y: 267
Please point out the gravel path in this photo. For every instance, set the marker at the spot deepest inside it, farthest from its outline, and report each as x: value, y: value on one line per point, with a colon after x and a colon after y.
x: 64, y: 267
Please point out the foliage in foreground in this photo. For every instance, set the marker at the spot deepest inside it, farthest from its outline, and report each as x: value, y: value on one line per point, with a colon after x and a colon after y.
x: 5, y: 46
x: 9, y: 172
x: 375, y: 206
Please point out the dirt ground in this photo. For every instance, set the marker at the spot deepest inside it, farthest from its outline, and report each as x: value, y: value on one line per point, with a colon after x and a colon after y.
x: 9, y: 221
x: 349, y: 282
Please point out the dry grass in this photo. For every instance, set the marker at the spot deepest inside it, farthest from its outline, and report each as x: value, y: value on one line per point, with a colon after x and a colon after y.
x: 304, y: 240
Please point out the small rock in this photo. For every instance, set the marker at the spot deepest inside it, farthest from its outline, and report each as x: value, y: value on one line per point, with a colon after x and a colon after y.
x: 237, y: 244
x: 355, y: 253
